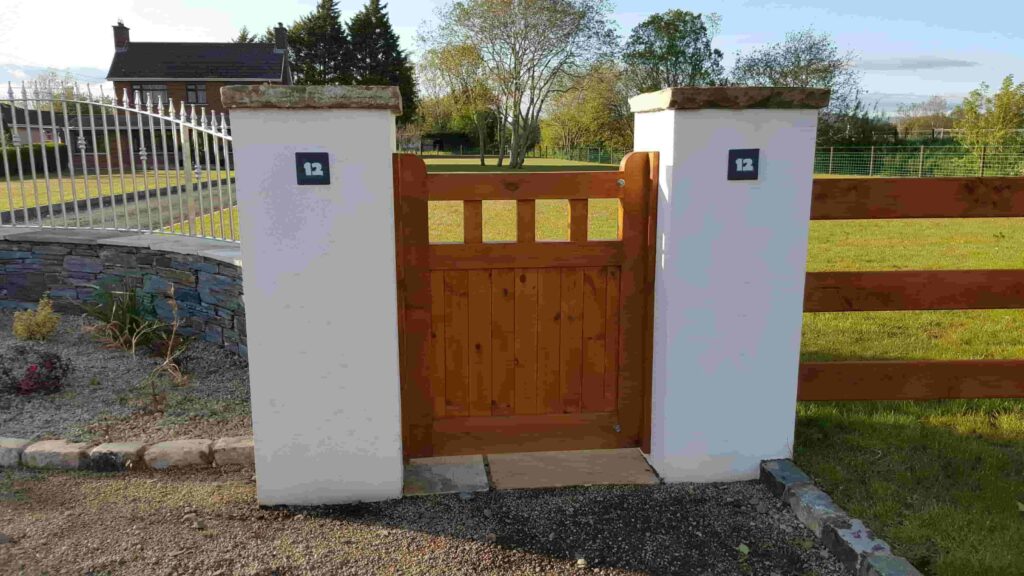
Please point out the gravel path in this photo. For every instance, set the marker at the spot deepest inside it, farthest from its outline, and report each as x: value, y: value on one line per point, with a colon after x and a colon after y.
x: 209, y: 523
x: 105, y: 382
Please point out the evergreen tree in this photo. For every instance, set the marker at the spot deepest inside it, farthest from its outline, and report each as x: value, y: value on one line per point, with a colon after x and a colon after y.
x: 377, y: 59
x: 320, y: 48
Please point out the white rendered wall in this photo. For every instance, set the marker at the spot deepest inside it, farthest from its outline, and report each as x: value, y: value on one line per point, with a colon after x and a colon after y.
x: 320, y: 303
x: 728, y: 290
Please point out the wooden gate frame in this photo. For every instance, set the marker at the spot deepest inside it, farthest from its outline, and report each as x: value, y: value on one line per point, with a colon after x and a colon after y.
x: 635, y: 184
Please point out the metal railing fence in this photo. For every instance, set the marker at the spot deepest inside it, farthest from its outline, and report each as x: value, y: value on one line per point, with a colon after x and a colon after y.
x: 87, y: 160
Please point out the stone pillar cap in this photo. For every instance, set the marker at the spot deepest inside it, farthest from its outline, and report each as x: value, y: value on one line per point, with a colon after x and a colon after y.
x: 317, y: 97
x: 730, y: 97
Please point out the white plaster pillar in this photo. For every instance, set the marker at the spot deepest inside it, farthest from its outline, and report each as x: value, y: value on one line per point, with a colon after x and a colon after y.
x: 320, y: 294
x: 731, y: 260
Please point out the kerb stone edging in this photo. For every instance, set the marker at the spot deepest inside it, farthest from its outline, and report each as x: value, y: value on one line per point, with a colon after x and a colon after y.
x: 848, y: 538
x: 233, y: 452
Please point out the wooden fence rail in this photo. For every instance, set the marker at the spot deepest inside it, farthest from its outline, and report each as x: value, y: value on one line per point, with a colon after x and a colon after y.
x: 859, y: 198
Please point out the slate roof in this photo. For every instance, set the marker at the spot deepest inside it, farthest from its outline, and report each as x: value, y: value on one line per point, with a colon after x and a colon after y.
x: 16, y: 115
x: 197, y: 61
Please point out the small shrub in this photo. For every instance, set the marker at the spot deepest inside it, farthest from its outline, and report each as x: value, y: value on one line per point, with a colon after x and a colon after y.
x: 25, y: 372
x: 125, y: 318
x: 38, y: 324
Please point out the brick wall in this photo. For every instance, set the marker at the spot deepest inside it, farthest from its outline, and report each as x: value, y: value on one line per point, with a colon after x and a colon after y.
x: 176, y: 91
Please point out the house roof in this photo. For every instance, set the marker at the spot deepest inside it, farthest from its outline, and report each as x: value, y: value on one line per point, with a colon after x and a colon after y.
x: 197, y: 61
x: 16, y: 115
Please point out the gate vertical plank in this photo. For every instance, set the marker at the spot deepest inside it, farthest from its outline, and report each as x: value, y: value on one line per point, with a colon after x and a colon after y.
x: 571, y: 371
x: 456, y: 328
x: 480, y: 342
x: 578, y: 210
x: 549, y: 313
x: 633, y: 288
x: 412, y: 244
x: 595, y: 285
x: 472, y: 222
x: 437, y: 342
x: 526, y: 341
x: 503, y: 351
x: 611, y: 348
x: 651, y: 257
x: 526, y: 218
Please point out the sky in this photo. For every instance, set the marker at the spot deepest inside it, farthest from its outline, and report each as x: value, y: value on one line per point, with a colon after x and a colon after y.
x: 907, y: 50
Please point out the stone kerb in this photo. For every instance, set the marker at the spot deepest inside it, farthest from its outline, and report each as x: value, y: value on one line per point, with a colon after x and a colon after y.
x: 205, y: 274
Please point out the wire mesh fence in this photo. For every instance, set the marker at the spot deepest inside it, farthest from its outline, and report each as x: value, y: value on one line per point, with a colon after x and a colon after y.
x: 919, y: 161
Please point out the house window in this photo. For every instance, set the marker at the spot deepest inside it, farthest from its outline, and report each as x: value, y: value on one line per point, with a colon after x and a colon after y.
x: 195, y: 93
x: 157, y: 91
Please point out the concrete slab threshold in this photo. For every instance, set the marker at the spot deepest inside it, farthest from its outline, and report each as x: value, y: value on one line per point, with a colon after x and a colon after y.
x: 527, y: 470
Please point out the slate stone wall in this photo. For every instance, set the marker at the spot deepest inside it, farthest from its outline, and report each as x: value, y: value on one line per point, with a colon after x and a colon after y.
x: 208, y: 291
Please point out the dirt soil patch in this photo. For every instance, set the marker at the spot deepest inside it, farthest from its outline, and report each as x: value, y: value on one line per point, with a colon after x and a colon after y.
x: 102, y: 398
x: 208, y: 523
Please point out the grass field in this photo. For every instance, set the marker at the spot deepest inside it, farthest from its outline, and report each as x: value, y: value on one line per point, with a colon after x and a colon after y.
x: 31, y: 193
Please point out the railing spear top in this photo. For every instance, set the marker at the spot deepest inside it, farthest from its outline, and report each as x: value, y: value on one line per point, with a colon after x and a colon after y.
x: 184, y: 113
x: 10, y: 91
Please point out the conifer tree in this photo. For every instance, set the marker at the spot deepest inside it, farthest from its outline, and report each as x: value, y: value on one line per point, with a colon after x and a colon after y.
x: 320, y: 48
x: 377, y: 58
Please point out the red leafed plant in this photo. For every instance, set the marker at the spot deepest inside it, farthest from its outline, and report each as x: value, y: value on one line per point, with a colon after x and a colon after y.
x: 44, y: 376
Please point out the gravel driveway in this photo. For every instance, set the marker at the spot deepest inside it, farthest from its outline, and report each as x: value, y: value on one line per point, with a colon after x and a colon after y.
x: 208, y: 524
x: 104, y: 383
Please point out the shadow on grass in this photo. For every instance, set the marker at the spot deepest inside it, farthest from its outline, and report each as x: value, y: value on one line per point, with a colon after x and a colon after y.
x: 939, y: 480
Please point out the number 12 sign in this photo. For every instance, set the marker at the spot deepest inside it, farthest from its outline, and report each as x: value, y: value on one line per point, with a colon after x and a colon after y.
x: 743, y: 164
x: 312, y: 168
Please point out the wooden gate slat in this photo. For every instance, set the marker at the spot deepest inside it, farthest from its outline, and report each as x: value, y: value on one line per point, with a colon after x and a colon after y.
x: 571, y: 372
x: 472, y: 222
x: 526, y: 217
x: 595, y: 285
x: 578, y: 215
x: 437, y: 342
x: 456, y: 327
x: 526, y: 341
x: 503, y: 351
x: 480, y: 342
x: 611, y: 348
x: 911, y: 380
x: 549, y: 314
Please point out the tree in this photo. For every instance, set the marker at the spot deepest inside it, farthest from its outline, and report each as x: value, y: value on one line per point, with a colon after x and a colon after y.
x: 673, y: 48
x: 51, y: 85
x: 923, y: 116
x: 456, y: 72
x: 804, y: 59
x: 376, y: 57
x: 526, y: 48
x: 320, y: 49
x: 246, y: 37
x: 992, y: 120
x: 592, y: 111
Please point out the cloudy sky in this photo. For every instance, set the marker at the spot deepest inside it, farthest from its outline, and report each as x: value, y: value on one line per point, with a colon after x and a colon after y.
x: 908, y: 49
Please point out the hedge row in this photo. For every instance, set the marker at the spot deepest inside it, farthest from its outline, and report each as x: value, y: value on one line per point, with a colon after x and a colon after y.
x: 52, y: 151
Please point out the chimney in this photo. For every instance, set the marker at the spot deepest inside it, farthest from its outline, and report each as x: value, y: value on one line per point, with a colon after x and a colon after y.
x: 280, y: 38
x: 120, y: 37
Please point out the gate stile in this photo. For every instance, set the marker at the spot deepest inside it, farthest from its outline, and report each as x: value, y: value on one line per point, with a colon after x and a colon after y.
x: 528, y: 345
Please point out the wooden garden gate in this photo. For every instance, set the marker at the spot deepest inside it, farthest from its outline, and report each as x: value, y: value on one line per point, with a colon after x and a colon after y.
x: 525, y: 345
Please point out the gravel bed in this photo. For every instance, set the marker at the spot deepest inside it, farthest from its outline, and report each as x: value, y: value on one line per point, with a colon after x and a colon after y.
x: 208, y: 523
x: 104, y: 386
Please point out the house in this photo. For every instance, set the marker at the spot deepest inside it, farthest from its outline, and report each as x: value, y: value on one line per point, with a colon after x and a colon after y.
x: 194, y: 72
x: 33, y: 126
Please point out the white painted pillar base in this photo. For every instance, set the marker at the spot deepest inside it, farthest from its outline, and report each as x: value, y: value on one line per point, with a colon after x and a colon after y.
x: 320, y: 293
x: 730, y: 275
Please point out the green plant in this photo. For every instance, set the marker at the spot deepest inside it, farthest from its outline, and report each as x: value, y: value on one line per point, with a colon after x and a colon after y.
x: 38, y: 324
x: 25, y: 372
x: 125, y: 317
x: 168, y: 373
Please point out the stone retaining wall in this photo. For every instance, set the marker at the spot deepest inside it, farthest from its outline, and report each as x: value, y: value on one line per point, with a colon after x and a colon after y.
x: 66, y: 263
